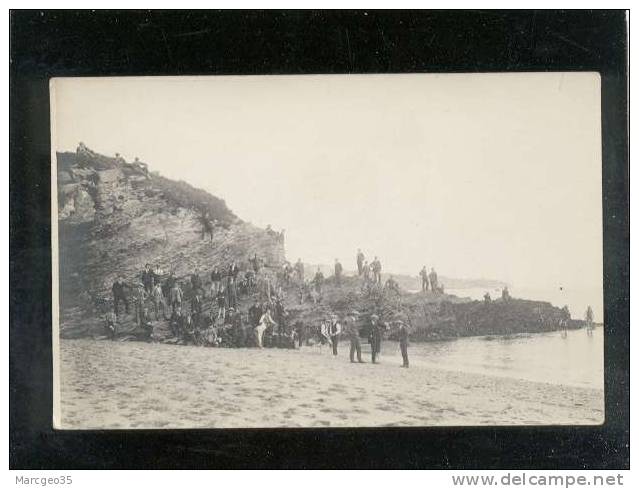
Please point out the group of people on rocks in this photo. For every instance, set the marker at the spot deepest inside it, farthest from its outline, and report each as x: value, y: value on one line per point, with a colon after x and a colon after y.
x: 505, y: 296
x: 209, y: 314
x: 371, y: 273
x: 432, y: 279
x: 192, y: 318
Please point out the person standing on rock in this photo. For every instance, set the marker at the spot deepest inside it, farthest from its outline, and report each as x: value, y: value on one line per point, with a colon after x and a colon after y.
x: 119, y: 295
x: 377, y: 271
x: 360, y: 262
x: 140, y: 297
x: 505, y: 294
x: 366, y: 272
x: 255, y: 262
x: 176, y: 296
x: 196, y: 281
x: 288, y: 271
x: 220, y: 299
x: 254, y: 314
x: 158, y: 301
x: 334, y: 330
x: 375, y: 337
x: 353, y: 335
x: 216, y: 282
x: 424, y: 275
x: 196, y: 307
x: 432, y: 276
x: 231, y: 284
x: 318, y: 281
x: 148, y: 279
x: 168, y: 285
x: 338, y: 272
x: 403, y: 342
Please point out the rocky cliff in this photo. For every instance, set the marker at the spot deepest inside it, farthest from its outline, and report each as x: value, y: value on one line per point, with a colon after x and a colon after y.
x: 114, y: 216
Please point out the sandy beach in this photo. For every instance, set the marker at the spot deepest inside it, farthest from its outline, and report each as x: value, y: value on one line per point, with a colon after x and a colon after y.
x: 124, y: 385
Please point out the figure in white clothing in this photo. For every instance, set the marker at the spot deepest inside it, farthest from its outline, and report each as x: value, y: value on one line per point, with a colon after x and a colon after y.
x: 265, y: 321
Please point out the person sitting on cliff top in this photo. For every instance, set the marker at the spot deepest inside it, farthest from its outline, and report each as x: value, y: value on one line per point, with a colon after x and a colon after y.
x: 83, y: 150
x: 141, y: 166
x: 119, y: 159
x: 196, y: 306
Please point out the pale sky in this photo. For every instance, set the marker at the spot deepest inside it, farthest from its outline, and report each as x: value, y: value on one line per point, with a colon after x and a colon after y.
x: 478, y: 175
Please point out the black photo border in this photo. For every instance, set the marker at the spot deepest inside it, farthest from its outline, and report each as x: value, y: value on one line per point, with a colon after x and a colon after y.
x: 45, y: 44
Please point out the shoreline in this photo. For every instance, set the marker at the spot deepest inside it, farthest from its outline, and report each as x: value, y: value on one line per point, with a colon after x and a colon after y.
x: 137, y: 385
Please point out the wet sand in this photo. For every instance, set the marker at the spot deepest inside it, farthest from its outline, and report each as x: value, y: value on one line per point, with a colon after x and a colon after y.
x: 126, y: 385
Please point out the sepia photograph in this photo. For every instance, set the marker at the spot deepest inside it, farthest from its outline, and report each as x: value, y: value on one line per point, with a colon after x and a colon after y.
x: 327, y: 251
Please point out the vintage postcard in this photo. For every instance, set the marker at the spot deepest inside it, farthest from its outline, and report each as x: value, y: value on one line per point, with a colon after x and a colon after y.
x: 327, y: 251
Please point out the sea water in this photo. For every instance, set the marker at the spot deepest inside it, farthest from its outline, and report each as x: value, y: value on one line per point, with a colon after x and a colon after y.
x: 572, y: 359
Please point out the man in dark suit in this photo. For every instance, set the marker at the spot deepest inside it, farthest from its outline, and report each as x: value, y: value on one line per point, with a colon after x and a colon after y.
x: 375, y: 337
